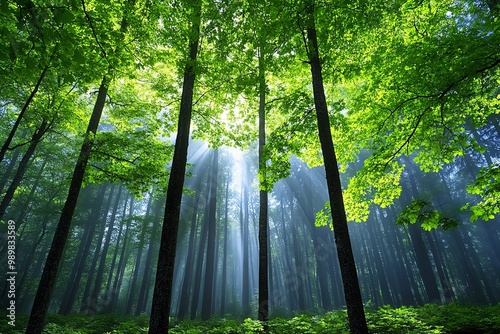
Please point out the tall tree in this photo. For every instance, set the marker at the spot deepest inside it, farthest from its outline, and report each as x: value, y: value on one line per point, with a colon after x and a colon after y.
x: 263, y: 311
x: 49, y: 275
x: 355, y: 311
x: 162, y: 295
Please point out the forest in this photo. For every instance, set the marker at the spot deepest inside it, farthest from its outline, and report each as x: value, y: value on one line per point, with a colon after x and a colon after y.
x: 252, y: 166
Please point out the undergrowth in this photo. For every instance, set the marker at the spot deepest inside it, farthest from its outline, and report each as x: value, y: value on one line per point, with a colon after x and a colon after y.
x: 429, y: 319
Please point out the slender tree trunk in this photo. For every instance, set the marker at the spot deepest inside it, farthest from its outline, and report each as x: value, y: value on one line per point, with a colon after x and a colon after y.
x: 143, y: 293
x: 224, y: 252
x: 51, y: 268
x: 138, y: 260
x: 355, y: 311
x: 184, y: 294
x: 208, y: 289
x: 115, y: 253
x: 83, y: 251
x: 89, y: 305
x: 8, y: 170
x: 100, y: 270
x: 23, y: 166
x: 12, y: 132
x: 245, y: 235
x: 25, y: 209
x: 263, y: 311
x: 122, y: 262
x: 199, y: 265
x: 162, y: 295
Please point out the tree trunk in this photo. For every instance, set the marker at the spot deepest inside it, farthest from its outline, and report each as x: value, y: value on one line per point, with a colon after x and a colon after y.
x: 224, y: 252
x: 263, y: 311
x: 81, y: 257
x: 23, y: 166
x: 89, y: 305
x: 208, y: 289
x: 184, y: 294
x: 12, y: 132
x: 143, y: 293
x: 162, y: 295
x: 51, y: 268
x: 122, y: 262
x: 138, y: 260
x: 8, y: 170
x: 100, y: 270
x: 25, y: 209
x: 199, y: 266
x: 109, y: 287
x: 355, y: 311
x: 245, y: 236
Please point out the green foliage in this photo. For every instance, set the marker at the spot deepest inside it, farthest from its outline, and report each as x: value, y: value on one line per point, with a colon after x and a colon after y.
x: 421, y: 211
x: 428, y: 319
x: 324, y: 216
x: 487, y: 185
x: 372, y: 184
x: 400, y: 320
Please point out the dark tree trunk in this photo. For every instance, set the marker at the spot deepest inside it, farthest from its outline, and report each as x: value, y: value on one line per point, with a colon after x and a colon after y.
x: 224, y: 252
x: 51, y: 268
x: 24, y: 211
x: 89, y: 305
x: 12, y: 132
x: 122, y: 263
x: 355, y: 311
x: 115, y: 252
x: 81, y: 257
x: 420, y: 248
x: 162, y: 295
x: 8, y: 170
x: 199, y: 265
x: 380, y: 267
x: 263, y: 311
x: 184, y: 294
x: 138, y: 260
x: 208, y: 289
x: 143, y: 293
x: 23, y: 166
x: 245, y: 236
x: 102, y: 261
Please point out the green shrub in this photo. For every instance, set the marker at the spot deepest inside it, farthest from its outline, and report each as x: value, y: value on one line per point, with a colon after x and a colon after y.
x: 429, y: 319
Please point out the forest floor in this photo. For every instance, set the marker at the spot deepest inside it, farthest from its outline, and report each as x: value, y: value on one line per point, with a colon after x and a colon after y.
x: 436, y: 319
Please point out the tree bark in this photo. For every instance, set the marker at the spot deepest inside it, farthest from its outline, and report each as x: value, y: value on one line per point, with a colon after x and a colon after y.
x: 51, y: 268
x: 355, y: 311
x: 263, y: 311
x: 162, y: 296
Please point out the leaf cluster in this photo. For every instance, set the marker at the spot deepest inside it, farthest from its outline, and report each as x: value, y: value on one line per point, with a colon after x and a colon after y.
x: 421, y: 211
x: 487, y: 186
